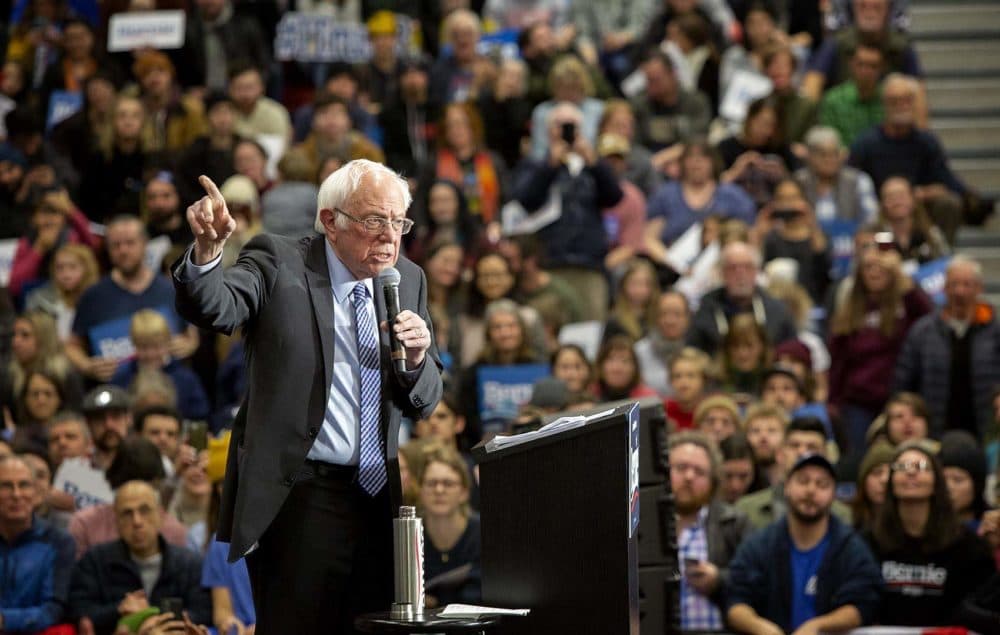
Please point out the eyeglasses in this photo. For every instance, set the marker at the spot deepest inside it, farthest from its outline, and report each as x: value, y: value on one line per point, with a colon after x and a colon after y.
x: 446, y: 483
x: 376, y: 225
x: 923, y: 465
x: 9, y: 487
x: 681, y: 468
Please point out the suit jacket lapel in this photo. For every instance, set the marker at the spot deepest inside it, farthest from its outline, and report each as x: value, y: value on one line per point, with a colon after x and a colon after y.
x: 321, y: 292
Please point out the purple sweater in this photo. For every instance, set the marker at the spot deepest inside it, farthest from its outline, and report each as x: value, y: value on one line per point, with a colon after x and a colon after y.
x: 862, y: 362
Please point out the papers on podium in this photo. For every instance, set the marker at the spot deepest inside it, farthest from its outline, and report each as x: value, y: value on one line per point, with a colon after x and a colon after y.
x: 555, y: 427
x: 471, y: 611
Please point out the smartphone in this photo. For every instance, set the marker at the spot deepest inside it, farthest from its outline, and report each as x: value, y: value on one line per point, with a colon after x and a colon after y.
x: 173, y: 605
x: 197, y: 435
x: 569, y: 133
x: 884, y: 241
x: 691, y: 562
x: 785, y: 214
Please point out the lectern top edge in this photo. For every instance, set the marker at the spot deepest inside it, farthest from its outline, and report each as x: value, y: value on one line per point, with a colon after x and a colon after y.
x: 482, y: 455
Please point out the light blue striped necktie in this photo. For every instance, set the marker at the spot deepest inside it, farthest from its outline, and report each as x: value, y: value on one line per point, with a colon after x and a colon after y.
x: 371, y: 467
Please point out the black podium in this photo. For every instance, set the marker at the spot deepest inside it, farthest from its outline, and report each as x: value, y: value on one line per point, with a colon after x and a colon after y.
x: 559, y: 517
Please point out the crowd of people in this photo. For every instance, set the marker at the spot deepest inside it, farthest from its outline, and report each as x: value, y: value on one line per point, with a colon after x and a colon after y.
x: 735, y: 206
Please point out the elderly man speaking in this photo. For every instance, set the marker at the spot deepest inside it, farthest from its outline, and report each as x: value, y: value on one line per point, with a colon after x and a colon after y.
x: 312, y: 477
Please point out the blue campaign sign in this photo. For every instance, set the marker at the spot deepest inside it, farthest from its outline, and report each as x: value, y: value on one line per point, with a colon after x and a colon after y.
x: 504, y: 389
x: 304, y: 37
x: 86, y: 9
x: 503, y: 43
x: 62, y: 104
x: 930, y: 276
x: 111, y: 339
x: 840, y: 233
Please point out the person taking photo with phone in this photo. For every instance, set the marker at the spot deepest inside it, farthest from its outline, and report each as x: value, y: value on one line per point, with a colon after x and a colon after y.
x: 574, y: 184
x: 788, y: 229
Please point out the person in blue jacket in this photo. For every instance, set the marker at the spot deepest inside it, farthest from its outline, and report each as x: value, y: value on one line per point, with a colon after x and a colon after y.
x: 807, y: 572
x: 35, y: 557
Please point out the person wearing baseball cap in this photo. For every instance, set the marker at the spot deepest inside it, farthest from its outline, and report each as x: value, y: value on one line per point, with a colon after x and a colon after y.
x: 381, y: 74
x: 108, y: 410
x: 803, y: 435
x: 808, y: 571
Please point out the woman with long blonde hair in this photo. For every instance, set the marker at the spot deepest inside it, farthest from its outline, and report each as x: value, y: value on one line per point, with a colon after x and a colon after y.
x: 35, y: 347
x: 73, y: 271
x: 870, y: 320
x: 112, y: 180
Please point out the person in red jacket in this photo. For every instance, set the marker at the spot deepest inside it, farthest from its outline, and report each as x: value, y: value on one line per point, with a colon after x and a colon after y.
x: 55, y: 221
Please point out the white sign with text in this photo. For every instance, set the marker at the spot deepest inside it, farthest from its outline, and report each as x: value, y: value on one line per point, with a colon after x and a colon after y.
x: 146, y: 29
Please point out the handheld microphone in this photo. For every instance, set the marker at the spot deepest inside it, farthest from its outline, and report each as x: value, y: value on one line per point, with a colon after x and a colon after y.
x: 389, y: 278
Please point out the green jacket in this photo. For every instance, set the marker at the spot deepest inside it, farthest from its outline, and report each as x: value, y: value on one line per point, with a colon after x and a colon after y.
x: 768, y: 505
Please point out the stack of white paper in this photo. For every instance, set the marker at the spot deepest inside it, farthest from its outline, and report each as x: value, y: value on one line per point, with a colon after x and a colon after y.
x: 562, y: 423
x: 471, y: 611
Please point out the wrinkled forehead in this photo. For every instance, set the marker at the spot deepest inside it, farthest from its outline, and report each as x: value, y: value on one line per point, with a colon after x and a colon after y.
x: 375, y: 195
x: 135, y: 498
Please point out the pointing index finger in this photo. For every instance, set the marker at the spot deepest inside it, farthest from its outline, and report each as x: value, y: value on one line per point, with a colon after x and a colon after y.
x: 210, y: 189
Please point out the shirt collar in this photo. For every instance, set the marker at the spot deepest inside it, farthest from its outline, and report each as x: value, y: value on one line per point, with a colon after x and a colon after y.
x: 702, y: 517
x: 341, y: 279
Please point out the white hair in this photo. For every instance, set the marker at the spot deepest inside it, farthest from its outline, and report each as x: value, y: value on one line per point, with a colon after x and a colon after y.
x: 908, y: 82
x: 340, y: 187
x: 740, y: 246
x: 821, y: 137
x: 961, y: 260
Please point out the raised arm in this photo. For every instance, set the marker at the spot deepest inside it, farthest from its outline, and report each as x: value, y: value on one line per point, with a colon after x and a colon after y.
x: 210, y: 222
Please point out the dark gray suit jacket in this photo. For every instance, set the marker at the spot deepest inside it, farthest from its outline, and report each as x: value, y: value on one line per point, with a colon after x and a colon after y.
x: 279, y: 293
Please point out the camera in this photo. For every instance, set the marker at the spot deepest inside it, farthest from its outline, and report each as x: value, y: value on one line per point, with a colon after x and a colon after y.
x: 885, y: 241
x: 173, y: 605
x: 569, y: 133
x: 197, y: 435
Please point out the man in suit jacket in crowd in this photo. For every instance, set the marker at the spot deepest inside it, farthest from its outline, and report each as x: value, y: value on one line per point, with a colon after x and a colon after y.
x: 312, y: 480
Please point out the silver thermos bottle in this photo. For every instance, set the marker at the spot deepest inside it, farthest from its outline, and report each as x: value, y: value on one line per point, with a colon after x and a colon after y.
x: 408, y: 535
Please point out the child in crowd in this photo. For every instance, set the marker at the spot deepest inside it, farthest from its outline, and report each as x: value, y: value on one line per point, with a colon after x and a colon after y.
x: 689, y: 377
x: 765, y: 428
x: 150, y: 335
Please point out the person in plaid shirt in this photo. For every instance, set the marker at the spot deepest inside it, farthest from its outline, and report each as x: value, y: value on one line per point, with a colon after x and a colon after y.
x: 708, y: 530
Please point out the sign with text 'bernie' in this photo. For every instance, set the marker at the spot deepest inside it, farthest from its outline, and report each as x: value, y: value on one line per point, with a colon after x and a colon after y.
x: 503, y: 390
x: 930, y: 276
x: 146, y: 29
x: 306, y: 37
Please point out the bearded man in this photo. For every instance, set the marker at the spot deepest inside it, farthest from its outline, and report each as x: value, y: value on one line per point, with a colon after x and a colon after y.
x: 708, y: 530
x: 806, y: 572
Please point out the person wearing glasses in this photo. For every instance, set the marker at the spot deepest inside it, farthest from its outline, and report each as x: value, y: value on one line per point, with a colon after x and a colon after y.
x: 451, y: 544
x: 312, y: 478
x: 708, y: 530
x: 38, y: 556
x: 930, y: 562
